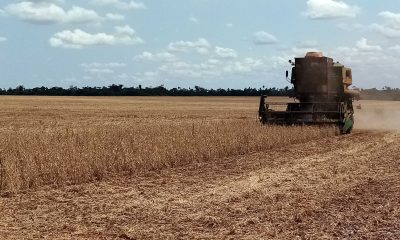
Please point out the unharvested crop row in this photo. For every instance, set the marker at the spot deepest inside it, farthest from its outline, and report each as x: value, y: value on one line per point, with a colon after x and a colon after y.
x: 71, y: 155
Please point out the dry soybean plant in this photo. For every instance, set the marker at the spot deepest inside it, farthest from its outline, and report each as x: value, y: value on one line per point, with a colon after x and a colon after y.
x: 77, y: 140
x: 70, y: 156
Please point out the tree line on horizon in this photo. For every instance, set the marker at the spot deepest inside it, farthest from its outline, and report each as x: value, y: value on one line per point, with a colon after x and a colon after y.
x: 120, y: 90
x: 385, y: 93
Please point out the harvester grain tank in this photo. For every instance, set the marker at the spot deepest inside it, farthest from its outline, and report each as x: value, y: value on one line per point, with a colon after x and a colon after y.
x: 321, y: 95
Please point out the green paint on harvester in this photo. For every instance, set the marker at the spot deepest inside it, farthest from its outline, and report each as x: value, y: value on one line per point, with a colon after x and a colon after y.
x: 348, y: 125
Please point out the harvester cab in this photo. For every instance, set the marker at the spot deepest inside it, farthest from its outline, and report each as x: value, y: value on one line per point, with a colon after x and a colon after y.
x: 321, y: 95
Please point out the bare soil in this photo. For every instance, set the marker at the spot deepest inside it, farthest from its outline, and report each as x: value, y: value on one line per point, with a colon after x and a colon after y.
x: 345, y: 187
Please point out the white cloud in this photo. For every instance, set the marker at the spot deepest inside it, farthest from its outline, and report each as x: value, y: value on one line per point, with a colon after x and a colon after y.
x: 200, y: 46
x: 45, y: 12
x: 48, y: 1
x: 363, y: 45
x: 308, y: 44
x: 115, y: 17
x: 183, y: 70
x: 3, y: 39
x: 229, y: 25
x: 363, y: 56
x: 214, y: 62
x: 352, y: 27
x: 393, y: 19
x: 248, y: 65
x: 194, y: 20
x: 80, y: 15
x: 145, y: 56
x: 391, y: 26
x: 299, y: 50
x: 220, y: 63
x: 150, y: 75
x: 263, y: 38
x: 395, y: 48
x: 102, y: 68
x: 100, y: 71
x: 77, y: 38
x: 165, y: 56
x: 125, y: 30
x: 214, y: 69
x: 386, y: 31
x: 302, y: 51
x: 121, y: 5
x: 225, y: 52
x: 103, y: 65
x: 162, y: 56
x: 326, y: 9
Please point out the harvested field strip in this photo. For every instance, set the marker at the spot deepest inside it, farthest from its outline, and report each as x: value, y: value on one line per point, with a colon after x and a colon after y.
x: 69, y: 155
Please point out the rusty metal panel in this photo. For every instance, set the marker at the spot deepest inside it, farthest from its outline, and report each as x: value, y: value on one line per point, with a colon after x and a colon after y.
x: 335, y: 81
x: 317, y: 78
x: 311, y: 75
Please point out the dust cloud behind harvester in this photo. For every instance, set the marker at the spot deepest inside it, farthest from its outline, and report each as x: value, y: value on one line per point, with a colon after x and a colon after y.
x: 378, y: 115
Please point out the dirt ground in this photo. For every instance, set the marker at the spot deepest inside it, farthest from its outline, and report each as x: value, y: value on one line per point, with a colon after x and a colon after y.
x: 345, y: 187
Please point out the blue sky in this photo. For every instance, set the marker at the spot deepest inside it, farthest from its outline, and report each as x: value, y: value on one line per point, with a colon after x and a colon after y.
x: 210, y: 43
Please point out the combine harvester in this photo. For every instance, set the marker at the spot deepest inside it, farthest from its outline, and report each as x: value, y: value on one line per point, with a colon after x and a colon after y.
x: 321, y: 95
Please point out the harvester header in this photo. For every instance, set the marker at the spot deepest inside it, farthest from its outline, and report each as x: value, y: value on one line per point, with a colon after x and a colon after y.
x: 321, y: 95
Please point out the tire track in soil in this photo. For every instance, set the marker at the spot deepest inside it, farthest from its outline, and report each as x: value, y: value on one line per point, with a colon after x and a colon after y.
x: 342, y: 187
